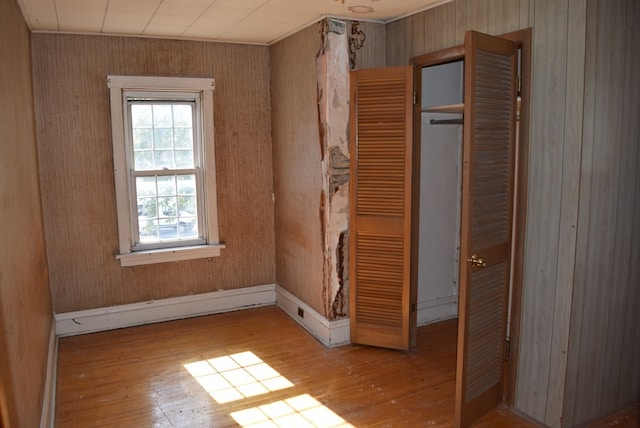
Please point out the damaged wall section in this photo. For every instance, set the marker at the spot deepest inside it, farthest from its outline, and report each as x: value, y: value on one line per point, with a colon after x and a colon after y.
x: 333, y: 115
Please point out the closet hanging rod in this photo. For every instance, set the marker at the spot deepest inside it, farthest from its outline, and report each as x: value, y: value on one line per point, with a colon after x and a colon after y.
x: 446, y: 121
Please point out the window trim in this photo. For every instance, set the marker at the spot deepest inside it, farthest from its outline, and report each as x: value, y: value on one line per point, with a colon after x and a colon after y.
x: 118, y: 85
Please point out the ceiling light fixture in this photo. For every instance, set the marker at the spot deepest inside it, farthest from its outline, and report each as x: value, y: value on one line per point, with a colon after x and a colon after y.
x: 360, y: 9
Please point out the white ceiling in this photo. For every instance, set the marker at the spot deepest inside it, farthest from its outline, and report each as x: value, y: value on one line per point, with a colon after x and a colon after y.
x: 242, y: 21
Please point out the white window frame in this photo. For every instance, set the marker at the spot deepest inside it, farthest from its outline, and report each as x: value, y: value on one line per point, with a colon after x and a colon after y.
x: 118, y: 86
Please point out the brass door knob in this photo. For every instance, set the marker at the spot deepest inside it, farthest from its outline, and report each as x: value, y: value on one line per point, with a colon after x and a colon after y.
x: 477, y: 261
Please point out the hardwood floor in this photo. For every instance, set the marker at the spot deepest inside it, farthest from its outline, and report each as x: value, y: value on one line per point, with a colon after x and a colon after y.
x: 140, y: 377
x: 628, y: 417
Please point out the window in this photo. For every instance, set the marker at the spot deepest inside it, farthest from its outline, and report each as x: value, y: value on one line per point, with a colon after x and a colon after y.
x: 162, y: 129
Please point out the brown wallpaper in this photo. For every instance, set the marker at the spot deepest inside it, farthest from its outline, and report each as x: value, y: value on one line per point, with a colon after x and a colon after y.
x: 76, y: 167
x: 366, y: 44
x: 298, y: 153
x: 25, y: 305
x: 297, y: 170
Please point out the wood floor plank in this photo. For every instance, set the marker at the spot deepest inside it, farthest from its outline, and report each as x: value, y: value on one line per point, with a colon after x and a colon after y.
x: 136, y: 377
x: 629, y: 417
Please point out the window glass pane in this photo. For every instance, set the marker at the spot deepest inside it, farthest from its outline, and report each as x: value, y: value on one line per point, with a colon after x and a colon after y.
x: 146, y: 186
x: 149, y: 230
x: 187, y: 201
x: 167, y: 130
x: 141, y: 116
x: 183, y: 138
x: 188, y: 205
x: 167, y: 185
x: 187, y: 184
x: 164, y: 159
x: 184, y: 159
x: 162, y: 117
x: 143, y: 160
x: 162, y: 138
x: 142, y: 138
x: 167, y: 208
x: 182, y: 115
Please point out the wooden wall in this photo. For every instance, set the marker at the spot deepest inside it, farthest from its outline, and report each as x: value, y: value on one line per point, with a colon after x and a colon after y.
x: 444, y: 26
x: 604, y: 352
x: 76, y: 167
x: 579, y: 346
x: 25, y: 305
x: 555, y: 140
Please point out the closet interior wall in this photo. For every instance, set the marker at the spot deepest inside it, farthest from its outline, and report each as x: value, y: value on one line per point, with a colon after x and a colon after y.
x: 440, y: 192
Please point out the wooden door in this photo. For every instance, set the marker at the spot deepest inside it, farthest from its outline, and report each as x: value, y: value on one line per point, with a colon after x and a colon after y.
x: 487, y: 199
x: 382, y: 298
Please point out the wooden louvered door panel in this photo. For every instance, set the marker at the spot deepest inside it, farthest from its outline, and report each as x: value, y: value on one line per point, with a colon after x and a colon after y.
x: 487, y: 200
x: 382, y: 303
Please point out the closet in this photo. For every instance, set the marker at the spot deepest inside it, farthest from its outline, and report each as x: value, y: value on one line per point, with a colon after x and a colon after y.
x: 440, y: 191
x: 441, y: 138
x: 409, y: 199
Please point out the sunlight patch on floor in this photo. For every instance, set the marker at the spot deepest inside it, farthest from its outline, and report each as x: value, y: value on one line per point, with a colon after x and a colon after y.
x: 237, y: 376
x: 300, y: 411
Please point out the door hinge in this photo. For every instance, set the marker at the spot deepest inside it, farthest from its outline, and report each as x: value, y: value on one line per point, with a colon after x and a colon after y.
x: 508, y: 349
x: 415, y: 98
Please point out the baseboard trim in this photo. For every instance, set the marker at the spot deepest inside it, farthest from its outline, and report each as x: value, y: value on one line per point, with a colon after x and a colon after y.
x: 435, y: 310
x: 109, y: 318
x: 47, y: 418
x: 329, y: 333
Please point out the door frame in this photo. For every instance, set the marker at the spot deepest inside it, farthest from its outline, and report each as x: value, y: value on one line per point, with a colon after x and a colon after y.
x: 523, y: 39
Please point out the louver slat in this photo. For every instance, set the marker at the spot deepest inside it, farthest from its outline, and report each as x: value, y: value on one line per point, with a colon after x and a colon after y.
x: 380, y: 125
x: 489, y: 133
x: 379, y: 260
x: 491, y: 176
x: 485, y: 330
x: 381, y: 117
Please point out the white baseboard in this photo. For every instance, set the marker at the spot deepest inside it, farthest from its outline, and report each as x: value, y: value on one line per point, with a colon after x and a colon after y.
x: 330, y: 333
x: 47, y: 418
x: 89, y: 321
x: 437, y: 310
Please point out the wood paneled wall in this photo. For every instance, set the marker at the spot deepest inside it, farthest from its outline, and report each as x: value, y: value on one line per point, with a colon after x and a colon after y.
x: 554, y: 182
x: 445, y: 25
x: 25, y: 305
x: 604, y: 352
x: 579, y: 345
x: 76, y: 167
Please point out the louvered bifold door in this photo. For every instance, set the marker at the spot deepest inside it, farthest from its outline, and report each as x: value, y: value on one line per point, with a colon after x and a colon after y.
x: 487, y: 197
x: 380, y: 212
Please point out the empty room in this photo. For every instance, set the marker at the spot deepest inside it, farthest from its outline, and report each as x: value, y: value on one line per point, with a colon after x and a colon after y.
x: 319, y: 213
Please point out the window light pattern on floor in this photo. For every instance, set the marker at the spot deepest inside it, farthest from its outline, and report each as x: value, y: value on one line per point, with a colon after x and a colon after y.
x: 237, y: 376
x: 301, y: 411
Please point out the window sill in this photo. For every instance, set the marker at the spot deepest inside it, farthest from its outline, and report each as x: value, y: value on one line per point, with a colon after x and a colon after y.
x: 165, y: 255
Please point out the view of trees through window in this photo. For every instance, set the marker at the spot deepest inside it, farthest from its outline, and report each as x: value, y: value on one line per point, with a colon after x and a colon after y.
x: 167, y: 207
x: 164, y: 161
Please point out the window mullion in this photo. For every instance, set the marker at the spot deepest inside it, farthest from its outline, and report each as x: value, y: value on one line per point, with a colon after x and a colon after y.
x: 165, y: 172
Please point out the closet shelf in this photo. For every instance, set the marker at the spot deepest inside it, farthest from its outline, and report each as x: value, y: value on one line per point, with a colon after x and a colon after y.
x: 449, y: 108
x: 456, y: 108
